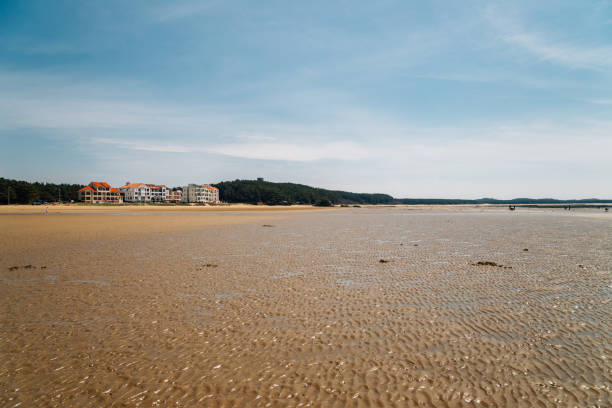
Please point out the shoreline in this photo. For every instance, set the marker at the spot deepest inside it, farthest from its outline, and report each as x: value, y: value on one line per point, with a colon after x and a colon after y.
x: 136, y: 208
x: 156, y: 209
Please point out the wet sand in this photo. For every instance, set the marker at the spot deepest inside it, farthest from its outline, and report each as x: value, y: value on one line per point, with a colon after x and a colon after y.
x: 150, y: 208
x: 220, y: 310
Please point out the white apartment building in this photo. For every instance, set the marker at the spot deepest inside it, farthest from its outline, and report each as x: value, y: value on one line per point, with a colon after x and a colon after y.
x: 159, y: 193
x: 205, y: 193
x: 136, y: 193
x: 99, y: 192
x: 174, y: 196
x: 211, y: 194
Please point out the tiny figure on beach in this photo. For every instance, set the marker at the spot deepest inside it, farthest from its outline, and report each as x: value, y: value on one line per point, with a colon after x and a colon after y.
x: 511, y: 207
x: 47, y: 210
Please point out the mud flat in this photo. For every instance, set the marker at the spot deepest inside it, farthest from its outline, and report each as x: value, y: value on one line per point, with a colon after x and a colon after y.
x: 471, y: 307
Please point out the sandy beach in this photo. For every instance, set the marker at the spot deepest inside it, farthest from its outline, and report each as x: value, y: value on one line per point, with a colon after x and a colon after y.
x: 150, y: 208
x: 298, y: 306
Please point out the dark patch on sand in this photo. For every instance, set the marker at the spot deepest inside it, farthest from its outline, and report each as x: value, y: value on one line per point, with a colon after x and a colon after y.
x: 489, y: 263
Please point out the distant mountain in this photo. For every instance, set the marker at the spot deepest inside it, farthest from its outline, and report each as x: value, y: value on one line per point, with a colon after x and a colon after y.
x: 252, y: 191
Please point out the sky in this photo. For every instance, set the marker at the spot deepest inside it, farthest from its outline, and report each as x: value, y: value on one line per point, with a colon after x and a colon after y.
x: 453, y: 99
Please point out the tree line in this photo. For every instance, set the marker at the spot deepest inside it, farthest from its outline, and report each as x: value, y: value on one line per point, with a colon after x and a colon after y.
x: 23, y: 192
x: 238, y: 191
x: 252, y: 191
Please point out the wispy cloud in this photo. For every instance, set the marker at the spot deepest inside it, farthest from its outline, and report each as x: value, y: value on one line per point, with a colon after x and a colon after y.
x: 534, y: 144
x: 460, y: 77
x: 143, y: 145
x: 349, y: 133
x: 297, y: 151
x: 571, y: 55
x: 335, y: 136
x: 547, y: 48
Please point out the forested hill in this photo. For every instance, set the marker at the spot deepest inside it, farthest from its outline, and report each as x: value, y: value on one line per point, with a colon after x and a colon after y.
x: 251, y: 191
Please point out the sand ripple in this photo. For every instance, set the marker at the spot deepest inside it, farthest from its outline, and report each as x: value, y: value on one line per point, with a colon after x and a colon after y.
x: 304, y: 314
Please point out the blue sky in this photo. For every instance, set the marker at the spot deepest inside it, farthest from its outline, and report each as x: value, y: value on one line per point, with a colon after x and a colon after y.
x: 414, y: 99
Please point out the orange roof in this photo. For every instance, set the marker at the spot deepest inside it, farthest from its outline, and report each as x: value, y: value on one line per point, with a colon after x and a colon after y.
x: 114, y: 190
x: 100, y: 184
x: 86, y: 188
x: 136, y: 185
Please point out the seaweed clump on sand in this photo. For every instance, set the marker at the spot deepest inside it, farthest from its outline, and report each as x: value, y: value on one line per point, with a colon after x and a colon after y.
x: 489, y: 263
x: 208, y: 265
x: 15, y: 268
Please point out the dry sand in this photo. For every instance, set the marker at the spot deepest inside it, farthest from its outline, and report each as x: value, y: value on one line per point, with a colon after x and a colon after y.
x: 215, y: 309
